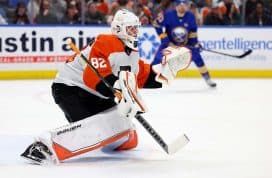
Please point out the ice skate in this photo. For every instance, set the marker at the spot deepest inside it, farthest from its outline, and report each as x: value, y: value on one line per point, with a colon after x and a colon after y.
x: 38, y: 153
x: 211, y: 83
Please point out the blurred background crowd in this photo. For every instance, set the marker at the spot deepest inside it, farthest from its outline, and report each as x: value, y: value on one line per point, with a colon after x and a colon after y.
x: 207, y: 12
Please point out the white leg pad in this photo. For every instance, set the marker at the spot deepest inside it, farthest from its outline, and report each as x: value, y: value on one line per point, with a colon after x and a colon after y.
x: 91, y: 131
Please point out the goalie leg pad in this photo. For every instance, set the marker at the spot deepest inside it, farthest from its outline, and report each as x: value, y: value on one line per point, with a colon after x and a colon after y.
x: 130, y: 143
x: 89, y: 134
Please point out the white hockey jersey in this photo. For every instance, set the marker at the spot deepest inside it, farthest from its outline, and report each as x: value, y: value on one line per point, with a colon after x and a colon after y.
x: 107, y: 54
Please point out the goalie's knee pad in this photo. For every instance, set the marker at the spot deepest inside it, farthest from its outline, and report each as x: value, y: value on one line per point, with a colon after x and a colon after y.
x: 130, y: 142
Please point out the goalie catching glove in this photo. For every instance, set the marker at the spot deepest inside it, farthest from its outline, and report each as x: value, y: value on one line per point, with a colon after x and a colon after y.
x: 131, y: 102
x: 175, y: 59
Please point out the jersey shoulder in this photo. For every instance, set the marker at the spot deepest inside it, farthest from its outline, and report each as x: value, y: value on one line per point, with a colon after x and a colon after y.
x: 109, y: 42
x: 170, y: 13
x: 108, y: 38
x: 190, y: 15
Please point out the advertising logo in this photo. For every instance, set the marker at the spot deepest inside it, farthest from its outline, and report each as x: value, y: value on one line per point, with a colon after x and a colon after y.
x: 148, y: 46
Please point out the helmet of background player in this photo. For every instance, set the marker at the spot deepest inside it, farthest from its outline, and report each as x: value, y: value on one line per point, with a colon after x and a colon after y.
x: 125, y: 26
x: 182, y: 6
x: 178, y: 2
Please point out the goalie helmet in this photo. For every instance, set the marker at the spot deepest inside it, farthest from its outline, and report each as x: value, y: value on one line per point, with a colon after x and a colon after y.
x: 125, y: 25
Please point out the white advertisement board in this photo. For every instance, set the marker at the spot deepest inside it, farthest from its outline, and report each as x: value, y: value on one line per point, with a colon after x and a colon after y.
x: 40, y: 48
x: 236, y: 41
x: 44, y: 48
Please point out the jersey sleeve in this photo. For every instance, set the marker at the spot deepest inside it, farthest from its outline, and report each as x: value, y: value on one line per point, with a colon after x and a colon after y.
x: 146, y: 76
x: 98, y: 57
x: 192, y: 40
x: 159, y: 23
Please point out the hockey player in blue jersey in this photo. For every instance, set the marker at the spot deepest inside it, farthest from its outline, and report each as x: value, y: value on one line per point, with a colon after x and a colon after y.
x: 177, y: 27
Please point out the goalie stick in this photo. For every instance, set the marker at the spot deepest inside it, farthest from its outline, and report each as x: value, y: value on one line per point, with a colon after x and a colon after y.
x: 171, y: 148
x: 231, y: 55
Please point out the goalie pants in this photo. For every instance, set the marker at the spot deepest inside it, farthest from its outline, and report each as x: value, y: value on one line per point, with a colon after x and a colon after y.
x: 78, y: 104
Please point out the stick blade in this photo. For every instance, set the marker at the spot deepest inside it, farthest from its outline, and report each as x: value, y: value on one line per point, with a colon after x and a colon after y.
x: 177, y: 144
x: 246, y: 53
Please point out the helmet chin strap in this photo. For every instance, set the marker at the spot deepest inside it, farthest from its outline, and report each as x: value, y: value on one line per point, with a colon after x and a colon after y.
x: 127, y: 48
x: 135, y: 44
x: 130, y: 43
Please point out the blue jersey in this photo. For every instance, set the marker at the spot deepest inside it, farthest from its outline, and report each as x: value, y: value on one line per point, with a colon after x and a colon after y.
x: 179, y: 30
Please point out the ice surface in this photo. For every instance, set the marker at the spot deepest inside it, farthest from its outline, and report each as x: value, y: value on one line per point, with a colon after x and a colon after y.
x: 229, y: 127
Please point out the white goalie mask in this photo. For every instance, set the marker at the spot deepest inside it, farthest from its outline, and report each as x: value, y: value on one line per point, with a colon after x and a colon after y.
x: 125, y: 25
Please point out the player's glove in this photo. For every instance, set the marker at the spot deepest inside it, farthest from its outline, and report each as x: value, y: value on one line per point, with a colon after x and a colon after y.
x: 131, y: 102
x: 175, y: 59
x: 196, y: 48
